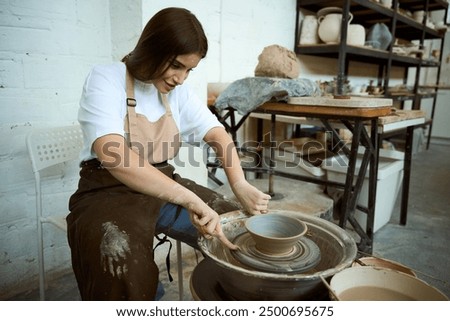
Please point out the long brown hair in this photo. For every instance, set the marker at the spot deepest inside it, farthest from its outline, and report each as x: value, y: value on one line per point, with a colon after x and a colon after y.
x: 169, y: 33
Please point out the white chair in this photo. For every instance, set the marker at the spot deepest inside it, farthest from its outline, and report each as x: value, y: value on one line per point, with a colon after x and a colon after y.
x: 49, y: 147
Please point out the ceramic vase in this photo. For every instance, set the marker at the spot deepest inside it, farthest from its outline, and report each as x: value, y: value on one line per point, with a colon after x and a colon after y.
x: 330, y: 27
x: 356, y: 35
x: 309, y: 35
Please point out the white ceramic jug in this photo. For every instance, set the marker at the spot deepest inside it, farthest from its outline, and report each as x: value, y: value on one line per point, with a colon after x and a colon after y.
x: 330, y: 27
x: 309, y: 35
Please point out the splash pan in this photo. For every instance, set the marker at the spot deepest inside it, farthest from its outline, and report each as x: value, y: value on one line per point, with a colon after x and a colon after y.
x: 244, y: 282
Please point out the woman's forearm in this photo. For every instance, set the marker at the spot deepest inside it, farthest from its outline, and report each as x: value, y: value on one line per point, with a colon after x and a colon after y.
x: 253, y: 200
x: 226, y: 152
x: 126, y: 166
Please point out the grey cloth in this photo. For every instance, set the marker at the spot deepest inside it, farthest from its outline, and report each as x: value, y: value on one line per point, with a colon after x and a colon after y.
x: 245, y: 95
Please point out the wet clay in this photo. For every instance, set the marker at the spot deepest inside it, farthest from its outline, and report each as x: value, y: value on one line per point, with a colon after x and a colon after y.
x: 304, y: 256
x: 114, y: 248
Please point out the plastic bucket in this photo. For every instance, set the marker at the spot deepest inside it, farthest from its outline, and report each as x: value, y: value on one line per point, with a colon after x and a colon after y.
x: 367, y: 283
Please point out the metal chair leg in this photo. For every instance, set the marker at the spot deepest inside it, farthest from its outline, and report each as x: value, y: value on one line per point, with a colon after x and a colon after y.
x: 180, y: 270
x: 40, y: 244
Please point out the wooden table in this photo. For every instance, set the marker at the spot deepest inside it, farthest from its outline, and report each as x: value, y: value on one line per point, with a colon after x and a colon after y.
x: 391, y: 124
x: 354, y: 118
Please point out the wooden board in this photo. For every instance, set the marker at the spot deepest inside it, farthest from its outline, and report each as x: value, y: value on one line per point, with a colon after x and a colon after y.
x: 401, y: 115
x: 328, y: 111
x: 352, y: 102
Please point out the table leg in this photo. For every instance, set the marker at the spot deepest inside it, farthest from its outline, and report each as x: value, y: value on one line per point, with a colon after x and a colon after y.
x: 406, y: 174
x: 273, y: 145
x: 349, y: 199
x: 259, y: 138
x: 352, y: 190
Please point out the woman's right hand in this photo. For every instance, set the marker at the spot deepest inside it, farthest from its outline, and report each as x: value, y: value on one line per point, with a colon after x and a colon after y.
x: 207, y: 221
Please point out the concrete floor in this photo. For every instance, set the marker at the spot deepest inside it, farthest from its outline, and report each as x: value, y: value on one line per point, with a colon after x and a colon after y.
x: 423, y: 244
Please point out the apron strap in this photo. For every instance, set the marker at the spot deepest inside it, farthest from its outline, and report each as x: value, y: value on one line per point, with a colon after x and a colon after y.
x: 166, y: 104
x: 131, y: 109
x: 162, y: 240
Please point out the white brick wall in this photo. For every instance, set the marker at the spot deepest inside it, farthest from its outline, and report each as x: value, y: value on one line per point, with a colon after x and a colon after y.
x: 46, y: 50
x: 237, y: 32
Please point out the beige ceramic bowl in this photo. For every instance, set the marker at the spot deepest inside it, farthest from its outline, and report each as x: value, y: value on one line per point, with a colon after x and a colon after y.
x: 275, y: 234
x: 368, y: 283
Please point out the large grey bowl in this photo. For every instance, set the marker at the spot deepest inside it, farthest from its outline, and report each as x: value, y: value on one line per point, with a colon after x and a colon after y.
x: 338, y: 251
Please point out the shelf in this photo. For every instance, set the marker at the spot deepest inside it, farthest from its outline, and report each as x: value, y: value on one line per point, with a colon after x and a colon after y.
x: 403, y: 28
x: 430, y: 63
x: 367, y: 13
x: 355, y: 53
x: 409, y: 29
x: 401, y: 96
x: 414, y: 5
x: 332, y: 51
x: 409, y: 96
x: 358, y: 7
x: 436, y: 86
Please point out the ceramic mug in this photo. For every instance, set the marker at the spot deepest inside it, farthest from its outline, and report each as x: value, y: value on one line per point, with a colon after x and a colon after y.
x: 419, y: 15
x: 386, y: 3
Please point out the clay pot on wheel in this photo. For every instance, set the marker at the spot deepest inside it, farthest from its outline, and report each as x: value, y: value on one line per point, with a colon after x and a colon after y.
x: 275, y: 234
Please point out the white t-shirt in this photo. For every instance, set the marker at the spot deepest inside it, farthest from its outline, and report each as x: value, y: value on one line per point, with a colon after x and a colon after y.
x: 103, y: 107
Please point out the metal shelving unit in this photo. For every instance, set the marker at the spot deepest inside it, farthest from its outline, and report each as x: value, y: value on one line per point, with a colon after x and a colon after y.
x: 401, y: 26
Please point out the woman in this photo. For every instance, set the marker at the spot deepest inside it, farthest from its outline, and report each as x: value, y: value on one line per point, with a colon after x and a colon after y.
x: 133, y: 115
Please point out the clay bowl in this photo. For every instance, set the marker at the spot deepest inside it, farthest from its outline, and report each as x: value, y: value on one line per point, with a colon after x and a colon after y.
x: 275, y: 234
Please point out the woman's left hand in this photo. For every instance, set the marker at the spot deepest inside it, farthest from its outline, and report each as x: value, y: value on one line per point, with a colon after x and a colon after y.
x: 252, y: 199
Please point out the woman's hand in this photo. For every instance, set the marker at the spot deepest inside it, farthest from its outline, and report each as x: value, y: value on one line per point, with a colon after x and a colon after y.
x: 207, y: 221
x: 253, y: 200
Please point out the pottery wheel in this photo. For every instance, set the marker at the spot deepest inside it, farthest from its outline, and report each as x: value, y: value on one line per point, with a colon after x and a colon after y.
x: 304, y: 256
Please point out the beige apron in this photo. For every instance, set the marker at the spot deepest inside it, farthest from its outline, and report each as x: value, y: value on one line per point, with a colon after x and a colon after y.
x: 156, y: 142
x: 111, y: 226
